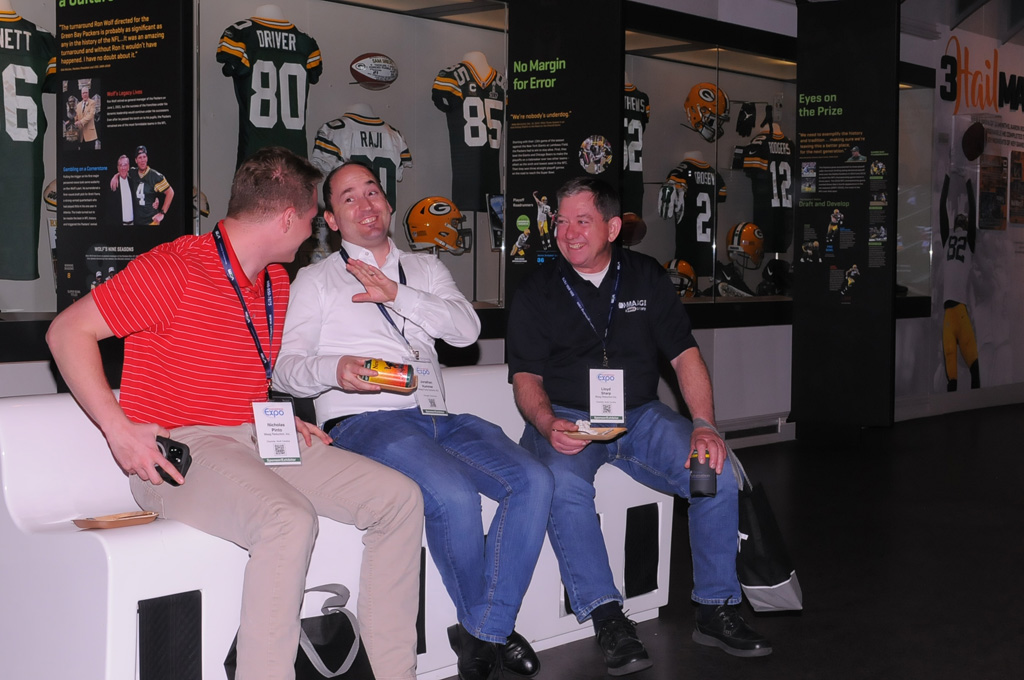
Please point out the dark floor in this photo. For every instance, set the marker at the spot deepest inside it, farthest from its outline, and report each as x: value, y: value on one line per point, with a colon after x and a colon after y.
x: 909, y: 545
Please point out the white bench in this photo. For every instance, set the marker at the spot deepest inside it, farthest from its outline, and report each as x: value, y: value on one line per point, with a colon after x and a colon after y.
x: 71, y: 594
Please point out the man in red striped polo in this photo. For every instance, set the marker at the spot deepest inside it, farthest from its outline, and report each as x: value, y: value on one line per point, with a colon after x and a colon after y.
x: 202, y: 319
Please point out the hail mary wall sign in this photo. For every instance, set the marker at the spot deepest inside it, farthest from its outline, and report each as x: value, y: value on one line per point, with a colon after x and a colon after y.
x: 564, y: 116
x: 976, y: 339
x: 843, y: 319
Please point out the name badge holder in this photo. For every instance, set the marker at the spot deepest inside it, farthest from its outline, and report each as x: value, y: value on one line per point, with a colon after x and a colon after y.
x: 430, y: 393
x: 607, y: 397
x: 276, y: 436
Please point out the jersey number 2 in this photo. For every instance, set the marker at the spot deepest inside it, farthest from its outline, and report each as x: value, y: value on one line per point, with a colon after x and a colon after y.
x: 703, y: 221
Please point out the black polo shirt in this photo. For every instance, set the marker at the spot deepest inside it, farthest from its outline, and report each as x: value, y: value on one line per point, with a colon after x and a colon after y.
x: 549, y: 336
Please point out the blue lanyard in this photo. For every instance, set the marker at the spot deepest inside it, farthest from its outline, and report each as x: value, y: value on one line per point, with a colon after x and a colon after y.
x: 382, y: 308
x: 268, y: 301
x: 611, y: 310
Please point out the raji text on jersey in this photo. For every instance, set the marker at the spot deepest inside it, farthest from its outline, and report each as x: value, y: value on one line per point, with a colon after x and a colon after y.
x: 370, y: 140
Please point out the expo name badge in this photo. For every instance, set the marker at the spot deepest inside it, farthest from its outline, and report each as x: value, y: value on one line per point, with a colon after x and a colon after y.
x: 429, y: 393
x: 275, y: 432
x: 607, y: 398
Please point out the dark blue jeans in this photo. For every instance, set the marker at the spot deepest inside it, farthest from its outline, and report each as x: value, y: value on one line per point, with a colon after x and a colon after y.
x: 652, y: 452
x: 454, y: 459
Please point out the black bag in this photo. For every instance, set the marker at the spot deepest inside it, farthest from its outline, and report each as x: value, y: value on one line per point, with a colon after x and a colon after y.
x: 763, y: 565
x: 329, y: 645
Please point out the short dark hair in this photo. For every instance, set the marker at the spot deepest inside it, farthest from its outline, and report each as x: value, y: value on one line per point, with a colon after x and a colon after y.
x: 327, y: 182
x: 606, y: 199
x: 269, y: 182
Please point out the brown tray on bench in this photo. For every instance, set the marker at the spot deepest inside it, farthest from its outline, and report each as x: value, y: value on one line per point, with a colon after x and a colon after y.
x: 123, y: 519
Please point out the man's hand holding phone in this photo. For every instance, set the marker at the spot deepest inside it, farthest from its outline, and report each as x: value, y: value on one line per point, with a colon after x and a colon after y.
x: 177, y: 454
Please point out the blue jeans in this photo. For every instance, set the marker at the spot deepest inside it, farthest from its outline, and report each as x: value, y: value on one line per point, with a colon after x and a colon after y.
x: 454, y: 459
x: 652, y: 452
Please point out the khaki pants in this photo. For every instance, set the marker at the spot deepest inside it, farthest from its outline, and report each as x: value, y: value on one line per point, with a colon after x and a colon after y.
x: 272, y: 512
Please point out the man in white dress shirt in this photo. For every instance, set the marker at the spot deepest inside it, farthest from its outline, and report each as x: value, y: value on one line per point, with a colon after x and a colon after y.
x: 372, y: 301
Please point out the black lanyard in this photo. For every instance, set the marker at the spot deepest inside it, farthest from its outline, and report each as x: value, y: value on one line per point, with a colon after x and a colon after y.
x: 611, y: 310
x: 380, y: 305
x: 268, y: 301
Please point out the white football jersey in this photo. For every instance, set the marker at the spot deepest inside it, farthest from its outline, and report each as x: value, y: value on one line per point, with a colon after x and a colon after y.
x: 958, y: 243
x: 366, y: 139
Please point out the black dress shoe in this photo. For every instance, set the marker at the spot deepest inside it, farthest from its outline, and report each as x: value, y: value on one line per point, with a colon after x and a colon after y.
x: 722, y: 626
x: 478, y: 659
x: 518, y: 656
x: 623, y: 651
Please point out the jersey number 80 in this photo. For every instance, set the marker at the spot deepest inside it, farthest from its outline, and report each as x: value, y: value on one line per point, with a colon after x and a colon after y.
x: 278, y: 94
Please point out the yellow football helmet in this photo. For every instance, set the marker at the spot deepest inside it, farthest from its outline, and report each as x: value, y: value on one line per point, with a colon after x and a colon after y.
x: 746, y: 245
x: 50, y: 196
x: 707, y: 107
x: 435, y: 222
x: 683, y: 277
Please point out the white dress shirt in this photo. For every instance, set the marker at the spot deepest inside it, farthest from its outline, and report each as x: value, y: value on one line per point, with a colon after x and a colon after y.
x: 127, y: 202
x: 323, y: 325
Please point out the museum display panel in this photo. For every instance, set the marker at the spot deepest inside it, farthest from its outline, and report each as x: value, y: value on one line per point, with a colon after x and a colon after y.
x: 715, y: 116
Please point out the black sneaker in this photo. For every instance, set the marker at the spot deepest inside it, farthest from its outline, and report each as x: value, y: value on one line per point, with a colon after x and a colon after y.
x: 723, y: 627
x: 623, y: 651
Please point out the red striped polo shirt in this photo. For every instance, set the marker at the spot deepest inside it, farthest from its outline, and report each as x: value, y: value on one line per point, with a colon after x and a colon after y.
x: 189, y: 358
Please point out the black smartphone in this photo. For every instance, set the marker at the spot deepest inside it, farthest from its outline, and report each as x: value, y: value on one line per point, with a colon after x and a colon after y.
x: 177, y: 453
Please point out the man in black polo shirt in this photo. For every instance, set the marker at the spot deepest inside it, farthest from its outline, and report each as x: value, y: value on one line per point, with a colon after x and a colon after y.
x: 600, y: 315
